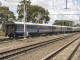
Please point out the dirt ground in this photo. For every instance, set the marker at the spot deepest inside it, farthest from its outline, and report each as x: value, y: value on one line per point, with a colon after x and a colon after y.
x: 2, y: 34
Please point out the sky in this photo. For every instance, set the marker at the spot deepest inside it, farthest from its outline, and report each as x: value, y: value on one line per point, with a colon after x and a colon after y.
x: 55, y: 7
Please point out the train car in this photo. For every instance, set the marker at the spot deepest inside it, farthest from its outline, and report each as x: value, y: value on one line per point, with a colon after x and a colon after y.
x: 56, y: 29
x: 69, y: 29
x: 78, y: 29
x: 10, y: 29
x: 33, y: 28
x: 17, y: 29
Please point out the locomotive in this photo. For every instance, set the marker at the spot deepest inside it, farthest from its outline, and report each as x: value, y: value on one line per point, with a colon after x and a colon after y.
x: 16, y: 29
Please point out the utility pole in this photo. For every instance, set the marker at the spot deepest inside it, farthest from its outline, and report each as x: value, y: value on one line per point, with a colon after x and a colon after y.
x: 66, y: 5
x: 25, y: 20
x: 66, y: 9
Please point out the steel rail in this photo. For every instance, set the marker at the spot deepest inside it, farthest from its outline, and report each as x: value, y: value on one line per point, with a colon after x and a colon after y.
x: 9, y: 39
x: 48, y: 57
x: 13, y: 52
x: 73, y: 52
x: 4, y: 39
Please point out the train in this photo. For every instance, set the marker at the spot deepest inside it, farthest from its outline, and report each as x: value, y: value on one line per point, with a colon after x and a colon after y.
x: 16, y: 29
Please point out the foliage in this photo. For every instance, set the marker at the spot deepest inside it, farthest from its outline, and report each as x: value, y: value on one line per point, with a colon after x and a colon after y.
x: 6, y: 14
x: 34, y: 13
x: 0, y: 3
x: 64, y: 22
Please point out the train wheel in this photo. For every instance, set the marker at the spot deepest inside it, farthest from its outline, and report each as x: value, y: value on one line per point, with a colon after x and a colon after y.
x: 9, y: 36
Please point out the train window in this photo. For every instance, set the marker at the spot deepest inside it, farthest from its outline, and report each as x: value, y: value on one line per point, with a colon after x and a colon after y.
x: 44, y: 27
x: 38, y: 26
x: 54, y: 27
x: 31, y: 26
x: 69, y: 28
x: 20, y: 27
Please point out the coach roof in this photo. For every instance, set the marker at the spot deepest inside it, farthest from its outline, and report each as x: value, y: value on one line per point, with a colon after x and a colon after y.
x: 39, y: 24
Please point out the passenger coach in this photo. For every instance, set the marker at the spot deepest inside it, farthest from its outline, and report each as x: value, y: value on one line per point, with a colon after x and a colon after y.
x: 17, y: 29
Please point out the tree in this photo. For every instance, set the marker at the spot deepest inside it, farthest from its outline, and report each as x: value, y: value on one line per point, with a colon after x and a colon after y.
x: 0, y: 3
x: 34, y: 13
x: 6, y: 14
x: 64, y: 22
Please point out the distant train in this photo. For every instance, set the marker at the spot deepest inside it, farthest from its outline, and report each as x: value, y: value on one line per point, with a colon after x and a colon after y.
x: 16, y: 29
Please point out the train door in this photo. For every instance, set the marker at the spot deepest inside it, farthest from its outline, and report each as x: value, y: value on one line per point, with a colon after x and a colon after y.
x: 11, y: 30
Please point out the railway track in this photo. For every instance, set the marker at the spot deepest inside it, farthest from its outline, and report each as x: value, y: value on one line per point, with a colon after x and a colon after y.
x: 3, y: 40
x: 73, y: 52
x: 53, y: 54
x: 13, y: 52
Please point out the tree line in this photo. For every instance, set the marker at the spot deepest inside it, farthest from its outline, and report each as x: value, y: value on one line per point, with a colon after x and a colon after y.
x: 64, y: 22
x: 6, y: 14
x: 35, y: 14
